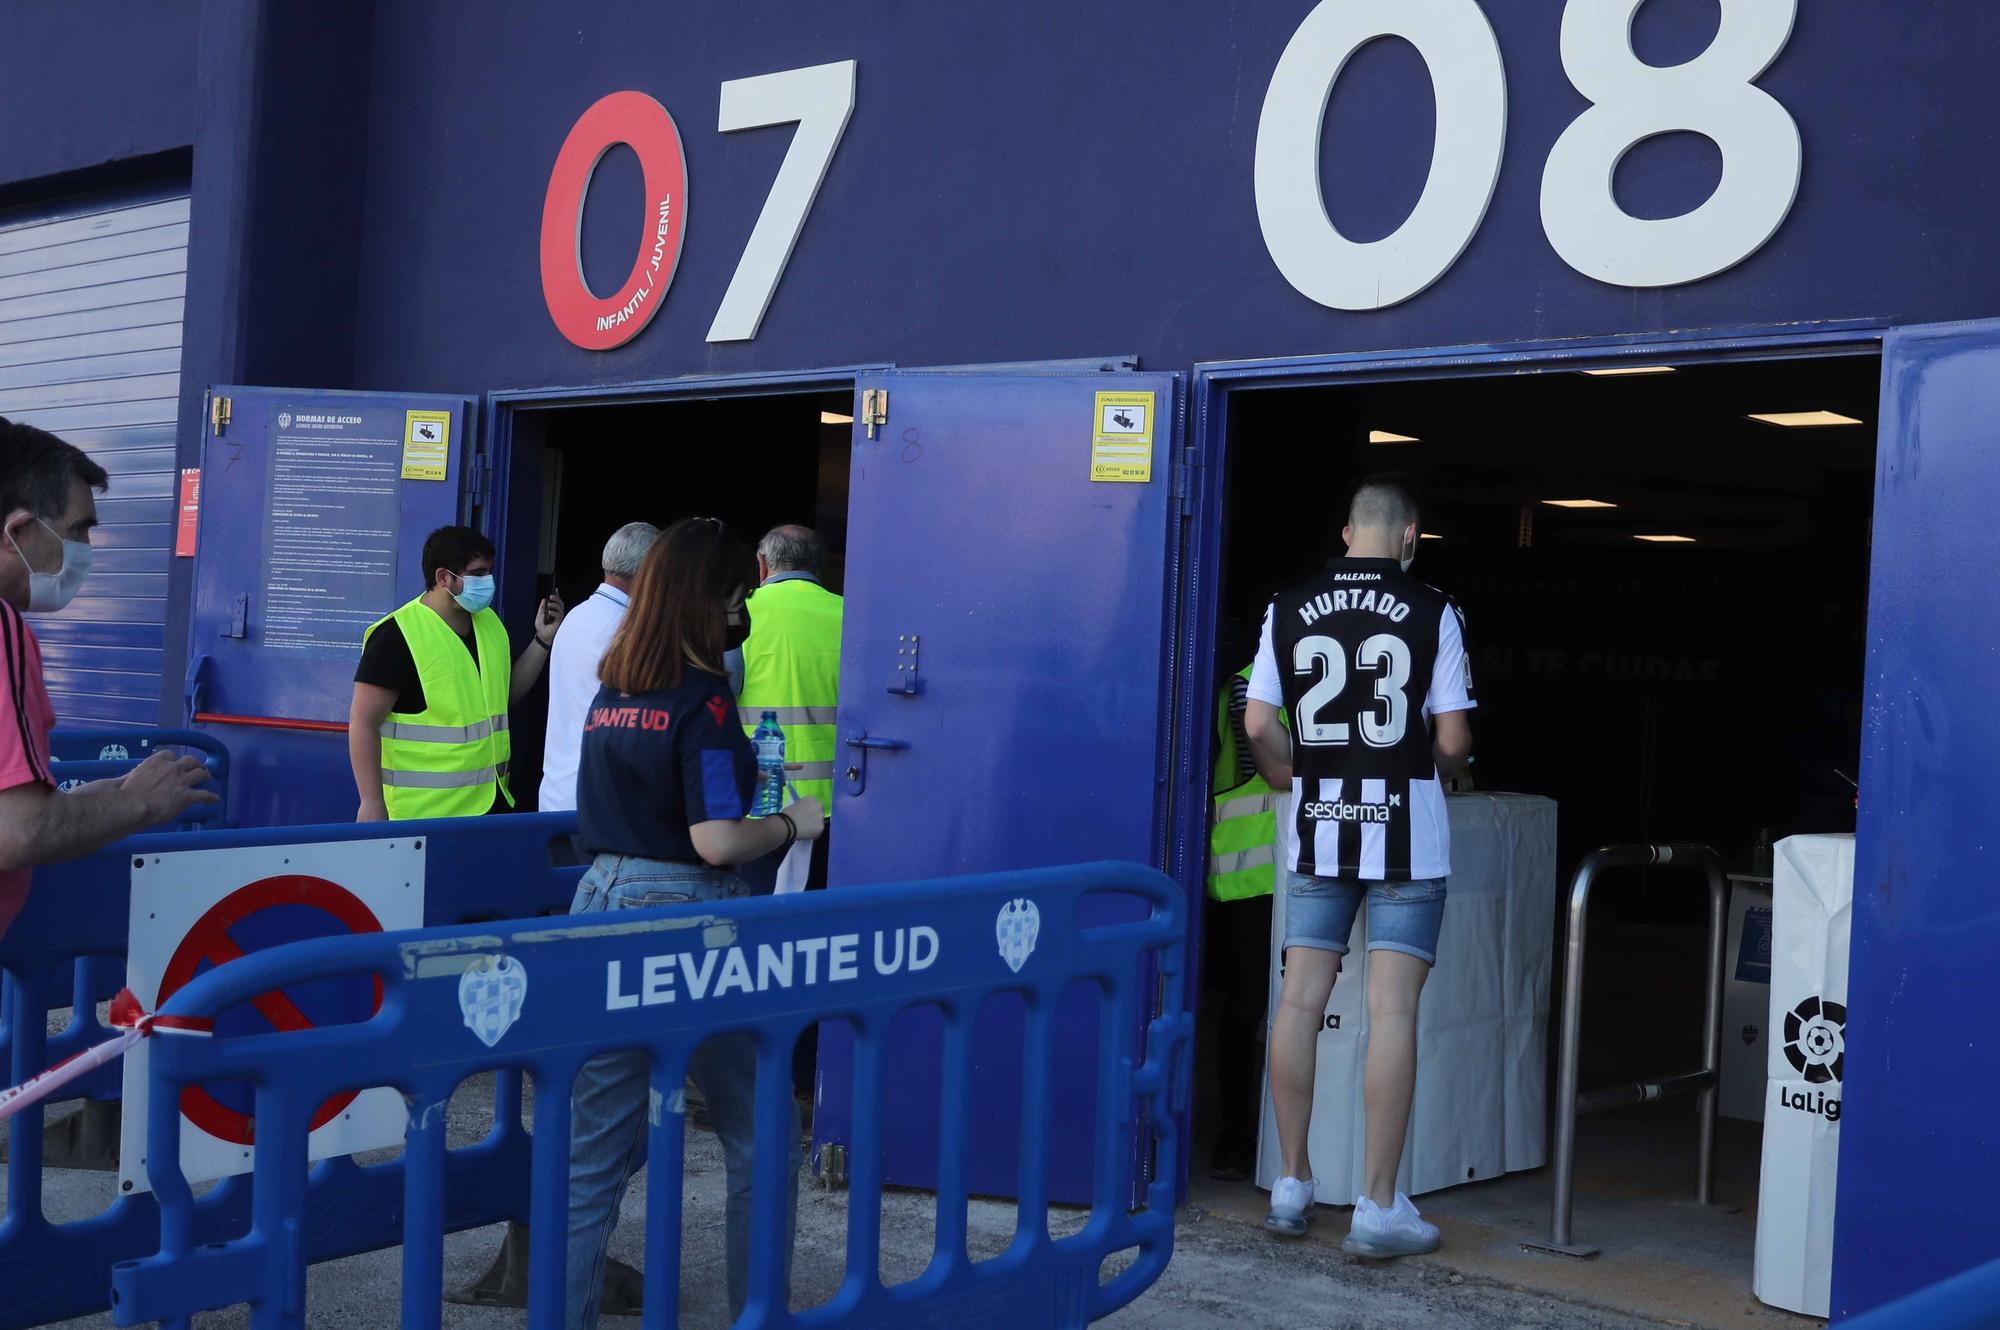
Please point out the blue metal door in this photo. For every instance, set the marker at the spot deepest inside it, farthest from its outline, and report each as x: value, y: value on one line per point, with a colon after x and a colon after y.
x: 1003, y: 701
x: 314, y: 509
x: 1918, y: 1171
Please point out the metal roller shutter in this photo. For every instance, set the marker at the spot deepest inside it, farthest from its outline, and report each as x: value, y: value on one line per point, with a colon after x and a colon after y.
x: 90, y: 348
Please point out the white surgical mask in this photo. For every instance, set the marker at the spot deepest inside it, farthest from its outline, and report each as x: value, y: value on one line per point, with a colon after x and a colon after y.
x: 49, y: 592
x: 474, y: 593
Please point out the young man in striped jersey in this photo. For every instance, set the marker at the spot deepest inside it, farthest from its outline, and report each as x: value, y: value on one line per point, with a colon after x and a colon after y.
x: 1370, y: 664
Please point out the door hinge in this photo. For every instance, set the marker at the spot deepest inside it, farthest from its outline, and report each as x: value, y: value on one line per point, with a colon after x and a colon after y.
x: 874, y: 409
x: 1183, y: 482
x: 478, y: 479
x: 218, y: 413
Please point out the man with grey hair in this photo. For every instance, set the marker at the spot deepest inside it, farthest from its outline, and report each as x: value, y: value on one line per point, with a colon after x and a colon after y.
x: 790, y: 551
x: 791, y: 660
x: 580, y: 645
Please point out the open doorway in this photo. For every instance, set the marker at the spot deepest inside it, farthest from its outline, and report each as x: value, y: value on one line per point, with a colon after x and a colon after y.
x: 578, y: 473
x: 1666, y: 607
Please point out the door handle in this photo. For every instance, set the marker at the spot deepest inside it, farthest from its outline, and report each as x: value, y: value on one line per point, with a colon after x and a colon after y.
x: 857, y: 766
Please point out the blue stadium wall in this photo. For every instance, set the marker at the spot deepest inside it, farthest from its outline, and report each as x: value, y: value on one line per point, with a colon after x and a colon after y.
x: 1045, y: 180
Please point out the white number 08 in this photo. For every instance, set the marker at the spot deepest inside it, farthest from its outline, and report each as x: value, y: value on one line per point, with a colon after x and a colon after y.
x: 1631, y: 101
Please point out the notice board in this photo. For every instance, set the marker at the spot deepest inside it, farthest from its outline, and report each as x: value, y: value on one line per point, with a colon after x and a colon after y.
x: 315, y: 506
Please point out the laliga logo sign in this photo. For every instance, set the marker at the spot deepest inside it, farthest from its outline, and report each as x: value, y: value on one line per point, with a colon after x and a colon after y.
x: 599, y: 323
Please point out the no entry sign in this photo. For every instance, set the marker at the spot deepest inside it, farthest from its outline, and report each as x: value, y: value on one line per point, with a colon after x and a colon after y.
x: 286, y: 903
x: 193, y: 910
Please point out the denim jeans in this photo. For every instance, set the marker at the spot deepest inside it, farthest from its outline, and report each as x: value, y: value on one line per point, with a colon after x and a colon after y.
x: 608, y: 1110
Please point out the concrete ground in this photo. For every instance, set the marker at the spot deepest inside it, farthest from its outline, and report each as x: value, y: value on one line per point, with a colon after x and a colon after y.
x: 1662, y: 1256
x: 1226, y: 1271
x: 1665, y: 1262
x: 1223, y: 1273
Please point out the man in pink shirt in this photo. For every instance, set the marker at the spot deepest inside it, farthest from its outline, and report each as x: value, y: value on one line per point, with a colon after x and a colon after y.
x: 47, y: 511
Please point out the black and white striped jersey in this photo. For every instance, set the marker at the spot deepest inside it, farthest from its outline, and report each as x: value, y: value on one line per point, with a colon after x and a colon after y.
x: 1362, y: 655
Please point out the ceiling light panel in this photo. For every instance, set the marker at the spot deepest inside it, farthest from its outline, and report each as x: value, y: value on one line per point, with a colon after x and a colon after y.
x: 1804, y: 419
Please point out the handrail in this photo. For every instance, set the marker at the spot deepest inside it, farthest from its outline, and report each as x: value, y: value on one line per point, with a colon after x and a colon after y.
x: 1569, y: 1101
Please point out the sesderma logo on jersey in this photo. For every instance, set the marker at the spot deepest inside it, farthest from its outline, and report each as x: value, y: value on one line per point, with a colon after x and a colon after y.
x: 1334, y: 810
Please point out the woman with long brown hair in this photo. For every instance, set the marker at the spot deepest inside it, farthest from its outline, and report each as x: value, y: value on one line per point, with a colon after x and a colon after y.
x: 665, y: 779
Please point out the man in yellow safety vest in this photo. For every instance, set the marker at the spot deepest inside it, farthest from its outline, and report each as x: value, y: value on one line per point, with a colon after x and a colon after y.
x: 791, y: 665
x: 427, y: 730
x: 1242, y: 871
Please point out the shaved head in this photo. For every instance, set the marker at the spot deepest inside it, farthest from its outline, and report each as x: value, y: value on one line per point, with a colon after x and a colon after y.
x: 1385, y: 503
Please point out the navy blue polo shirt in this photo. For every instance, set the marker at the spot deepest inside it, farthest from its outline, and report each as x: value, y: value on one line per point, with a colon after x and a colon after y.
x: 655, y: 764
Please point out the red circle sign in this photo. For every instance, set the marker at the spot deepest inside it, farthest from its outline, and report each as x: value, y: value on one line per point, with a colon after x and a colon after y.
x: 209, y: 940
x: 634, y: 119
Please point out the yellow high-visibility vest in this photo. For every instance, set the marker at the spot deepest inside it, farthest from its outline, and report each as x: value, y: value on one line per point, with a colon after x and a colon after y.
x: 448, y: 759
x: 1242, y: 857
x: 791, y: 665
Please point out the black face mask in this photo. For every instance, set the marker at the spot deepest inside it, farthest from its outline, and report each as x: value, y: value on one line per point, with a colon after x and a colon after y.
x: 736, y: 627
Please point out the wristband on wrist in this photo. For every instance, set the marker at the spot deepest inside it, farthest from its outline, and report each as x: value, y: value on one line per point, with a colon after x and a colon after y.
x: 546, y: 646
x: 791, y: 830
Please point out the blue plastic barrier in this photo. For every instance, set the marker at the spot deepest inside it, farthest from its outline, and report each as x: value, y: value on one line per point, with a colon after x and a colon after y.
x: 1970, y: 1301
x: 590, y: 987
x: 81, y: 755
x: 476, y: 869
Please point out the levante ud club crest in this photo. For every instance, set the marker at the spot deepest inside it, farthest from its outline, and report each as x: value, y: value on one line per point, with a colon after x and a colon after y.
x: 1019, y: 924
x: 491, y: 996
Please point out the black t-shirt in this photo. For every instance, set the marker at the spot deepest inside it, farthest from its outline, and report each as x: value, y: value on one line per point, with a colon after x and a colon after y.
x: 386, y: 662
x: 655, y: 764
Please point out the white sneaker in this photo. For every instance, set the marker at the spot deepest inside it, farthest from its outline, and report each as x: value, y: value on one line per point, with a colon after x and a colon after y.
x: 1379, y: 1233
x: 1291, y: 1207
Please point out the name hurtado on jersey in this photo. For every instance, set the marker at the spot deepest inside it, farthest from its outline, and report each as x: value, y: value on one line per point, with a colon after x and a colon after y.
x: 1362, y: 655
x: 1371, y: 601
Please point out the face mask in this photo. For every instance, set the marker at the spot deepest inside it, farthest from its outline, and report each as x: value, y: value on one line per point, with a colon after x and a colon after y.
x: 736, y: 629
x: 474, y: 593
x: 49, y: 592
x: 1409, y: 555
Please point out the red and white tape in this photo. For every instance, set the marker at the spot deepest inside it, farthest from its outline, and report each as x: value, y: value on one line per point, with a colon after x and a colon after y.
x: 134, y: 1023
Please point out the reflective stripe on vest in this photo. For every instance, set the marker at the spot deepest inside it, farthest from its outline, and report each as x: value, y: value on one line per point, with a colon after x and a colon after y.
x: 791, y: 666
x: 451, y: 758
x: 790, y: 716
x: 442, y: 780
x: 1235, y: 862
x: 1248, y: 805
x: 443, y: 734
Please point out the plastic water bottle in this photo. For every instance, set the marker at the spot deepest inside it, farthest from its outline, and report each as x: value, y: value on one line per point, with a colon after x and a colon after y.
x: 769, y: 741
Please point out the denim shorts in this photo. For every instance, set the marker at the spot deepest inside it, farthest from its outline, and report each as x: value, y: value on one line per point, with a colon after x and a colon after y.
x: 627, y: 882
x: 1402, y: 916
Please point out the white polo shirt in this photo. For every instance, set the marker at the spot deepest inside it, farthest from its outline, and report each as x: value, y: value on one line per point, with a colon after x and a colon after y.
x: 581, y: 642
